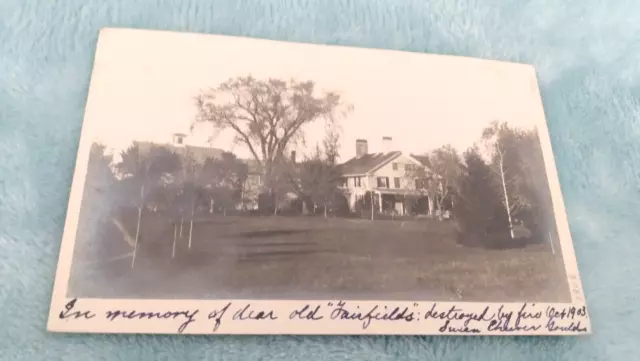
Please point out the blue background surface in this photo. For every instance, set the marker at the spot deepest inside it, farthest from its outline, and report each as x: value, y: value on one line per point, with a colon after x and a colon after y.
x: 587, y: 53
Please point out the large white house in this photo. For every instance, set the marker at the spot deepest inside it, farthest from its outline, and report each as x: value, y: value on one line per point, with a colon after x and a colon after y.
x: 391, y: 180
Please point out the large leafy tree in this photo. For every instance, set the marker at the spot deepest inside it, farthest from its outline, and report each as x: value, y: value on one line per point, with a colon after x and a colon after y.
x: 541, y: 217
x: 319, y: 179
x: 446, y: 163
x: 534, y: 187
x: 183, y: 194
x: 223, y: 179
x: 98, y: 200
x: 98, y: 182
x: 521, y: 179
x: 142, y: 170
x: 427, y: 182
x: 478, y: 208
x: 268, y: 116
x: 506, y: 161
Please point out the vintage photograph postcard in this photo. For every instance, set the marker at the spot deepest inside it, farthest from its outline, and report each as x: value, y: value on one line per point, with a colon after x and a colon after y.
x: 228, y: 185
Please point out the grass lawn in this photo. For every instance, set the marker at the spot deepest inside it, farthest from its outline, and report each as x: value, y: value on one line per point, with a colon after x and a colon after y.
x: 313, y: 258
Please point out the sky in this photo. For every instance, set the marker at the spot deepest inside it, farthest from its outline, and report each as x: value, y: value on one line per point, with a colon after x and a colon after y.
x: 144, y: 83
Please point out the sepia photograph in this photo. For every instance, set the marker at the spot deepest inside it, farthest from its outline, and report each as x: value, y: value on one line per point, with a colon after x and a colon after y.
x: 215, y: 167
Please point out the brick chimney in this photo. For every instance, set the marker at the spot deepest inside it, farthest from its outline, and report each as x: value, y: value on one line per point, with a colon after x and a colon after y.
x: 362, y: 148
x: 387, y: 144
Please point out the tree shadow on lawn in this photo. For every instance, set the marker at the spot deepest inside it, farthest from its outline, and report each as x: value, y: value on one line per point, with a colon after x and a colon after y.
x: 255, y: 252
x: 269, y: 233
x: 287, y: 255
x: 276, y: 244
x: 216, y: 221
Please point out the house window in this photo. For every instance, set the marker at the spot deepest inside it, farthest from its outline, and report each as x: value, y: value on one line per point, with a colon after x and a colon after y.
x: 357, y: 181
x: 396, y: 182
x: 419, y: 184
x: 395, y: 166
x: 383, y: 182
x: 344, y: 182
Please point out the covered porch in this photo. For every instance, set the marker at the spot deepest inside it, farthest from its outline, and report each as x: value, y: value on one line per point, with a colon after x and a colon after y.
x: 401, y: 202
x: 395, y: 202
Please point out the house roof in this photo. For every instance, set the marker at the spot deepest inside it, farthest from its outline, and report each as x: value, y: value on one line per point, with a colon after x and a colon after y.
x: 424, y: 159
x: 199, y: 154
x: 367, y: 162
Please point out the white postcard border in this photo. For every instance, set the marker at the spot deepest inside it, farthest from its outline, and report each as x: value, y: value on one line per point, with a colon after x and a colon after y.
x: 92, y: 315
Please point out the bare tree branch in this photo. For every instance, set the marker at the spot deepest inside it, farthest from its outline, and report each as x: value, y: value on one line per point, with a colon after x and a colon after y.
x: 267, y: 116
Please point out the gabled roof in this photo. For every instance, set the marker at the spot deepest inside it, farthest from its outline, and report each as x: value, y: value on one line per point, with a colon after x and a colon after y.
x: 424, y: 159
x: 366, y: 163
x: 426, y: 162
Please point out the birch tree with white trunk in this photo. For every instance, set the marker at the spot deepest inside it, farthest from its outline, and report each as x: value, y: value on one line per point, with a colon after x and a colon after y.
x: 502, y: 144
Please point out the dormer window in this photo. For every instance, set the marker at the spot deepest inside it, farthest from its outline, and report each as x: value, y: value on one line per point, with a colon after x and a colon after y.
x: 178, y: 139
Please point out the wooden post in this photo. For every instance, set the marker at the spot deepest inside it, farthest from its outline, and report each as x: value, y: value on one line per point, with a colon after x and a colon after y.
x: 135, y: 246
x: 175, y: 231
x: 191, y: 225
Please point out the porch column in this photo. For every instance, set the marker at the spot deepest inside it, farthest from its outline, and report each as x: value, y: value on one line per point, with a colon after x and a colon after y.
x: 353, y: 200
x: 372, y: 212
x: 380, y: 199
